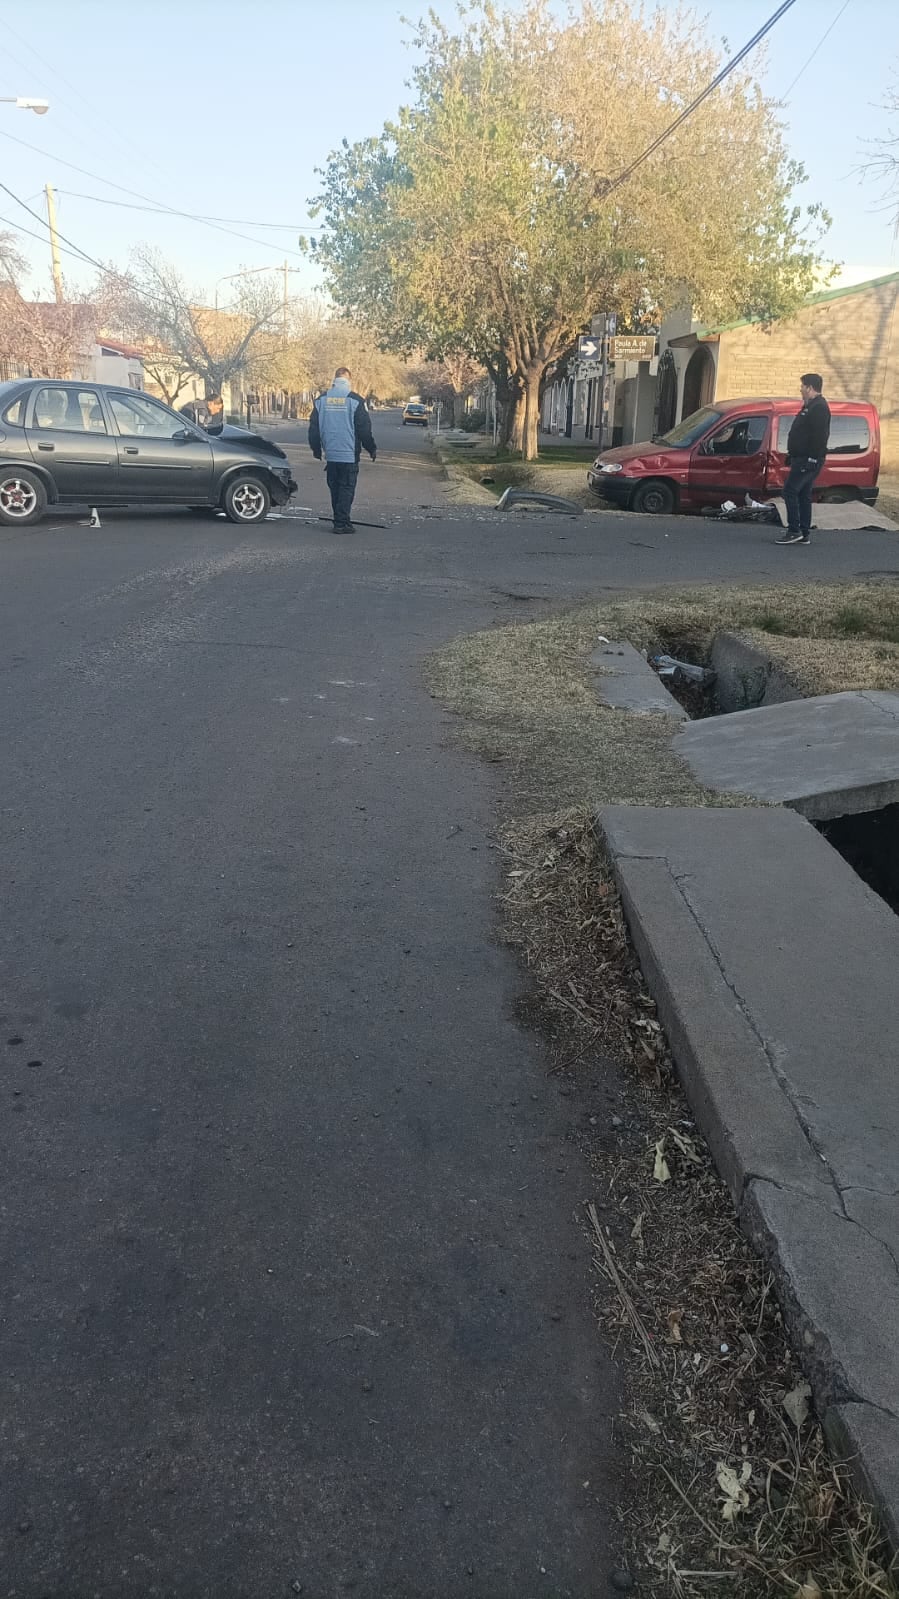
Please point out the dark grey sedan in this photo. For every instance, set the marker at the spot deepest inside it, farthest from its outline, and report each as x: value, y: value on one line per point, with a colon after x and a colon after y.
x: 90, y: 444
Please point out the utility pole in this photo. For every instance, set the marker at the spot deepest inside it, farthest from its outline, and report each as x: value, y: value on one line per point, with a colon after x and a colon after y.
x: 286, y: 270
x: 54, y: 243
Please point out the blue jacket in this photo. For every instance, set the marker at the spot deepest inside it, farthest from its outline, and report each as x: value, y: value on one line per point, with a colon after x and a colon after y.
x: 340, y: 425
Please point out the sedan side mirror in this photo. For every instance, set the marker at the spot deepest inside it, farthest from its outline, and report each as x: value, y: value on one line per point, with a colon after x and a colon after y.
x: 185, y: 435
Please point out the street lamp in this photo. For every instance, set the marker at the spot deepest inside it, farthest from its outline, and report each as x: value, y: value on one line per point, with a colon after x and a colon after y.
x: 39, y: 107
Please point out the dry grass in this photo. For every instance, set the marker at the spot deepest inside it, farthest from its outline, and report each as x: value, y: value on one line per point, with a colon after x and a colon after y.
x: 527, y: 691
x: 682, y: 1296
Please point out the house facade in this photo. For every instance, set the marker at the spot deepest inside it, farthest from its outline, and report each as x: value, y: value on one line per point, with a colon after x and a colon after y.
x: 850, y: 335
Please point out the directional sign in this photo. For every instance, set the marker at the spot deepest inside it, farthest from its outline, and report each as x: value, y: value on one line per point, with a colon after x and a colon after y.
x: 588, y: 348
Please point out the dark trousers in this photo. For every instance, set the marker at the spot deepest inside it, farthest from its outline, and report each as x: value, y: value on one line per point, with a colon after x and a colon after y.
x: 341, y: 476
x: 798, y: 494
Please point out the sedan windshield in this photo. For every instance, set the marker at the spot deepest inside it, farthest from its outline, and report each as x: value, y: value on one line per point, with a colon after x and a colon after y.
x: 690, y: 429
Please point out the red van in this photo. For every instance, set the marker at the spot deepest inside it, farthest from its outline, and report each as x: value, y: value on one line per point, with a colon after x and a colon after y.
x: 738, y: 447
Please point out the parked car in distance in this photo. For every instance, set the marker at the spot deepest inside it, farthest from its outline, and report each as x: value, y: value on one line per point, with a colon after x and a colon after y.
x: 737, y: 447
x: 415, y: 414
x: 81, y: 443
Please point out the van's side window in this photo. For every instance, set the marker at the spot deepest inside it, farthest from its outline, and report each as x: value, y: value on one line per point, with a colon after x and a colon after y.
x: 745, y: 436
x: 849, y: 435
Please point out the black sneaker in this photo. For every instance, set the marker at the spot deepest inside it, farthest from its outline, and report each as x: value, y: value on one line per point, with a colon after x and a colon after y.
x: 805, y: 538
x: 344, y: 527
x: 789, y: 537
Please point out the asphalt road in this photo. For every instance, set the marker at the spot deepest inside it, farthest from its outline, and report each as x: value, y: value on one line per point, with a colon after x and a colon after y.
x: 295, y: 1289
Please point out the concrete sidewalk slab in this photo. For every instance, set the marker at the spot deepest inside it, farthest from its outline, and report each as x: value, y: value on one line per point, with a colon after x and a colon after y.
x: 774, y: 969
x: 830, y: 755
x: 627, y: 682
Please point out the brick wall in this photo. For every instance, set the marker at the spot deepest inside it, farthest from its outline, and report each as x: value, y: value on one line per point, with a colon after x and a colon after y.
x: 853, y: 341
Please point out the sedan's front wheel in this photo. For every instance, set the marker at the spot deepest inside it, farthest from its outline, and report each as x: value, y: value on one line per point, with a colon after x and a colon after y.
x: 23, y: 498
x: 247, y: 499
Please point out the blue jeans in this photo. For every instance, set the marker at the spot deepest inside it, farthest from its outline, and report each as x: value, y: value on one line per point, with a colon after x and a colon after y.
x: 341, y: 476
x: 798, y: 493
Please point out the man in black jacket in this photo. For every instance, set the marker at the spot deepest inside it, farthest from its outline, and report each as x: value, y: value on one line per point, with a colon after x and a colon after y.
x: 806, y: 449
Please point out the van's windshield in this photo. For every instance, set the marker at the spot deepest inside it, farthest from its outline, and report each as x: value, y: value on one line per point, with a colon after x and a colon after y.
x: 690, y: 429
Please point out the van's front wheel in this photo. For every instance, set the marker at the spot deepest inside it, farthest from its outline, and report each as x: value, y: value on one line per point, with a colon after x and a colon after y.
x: 654, y: 498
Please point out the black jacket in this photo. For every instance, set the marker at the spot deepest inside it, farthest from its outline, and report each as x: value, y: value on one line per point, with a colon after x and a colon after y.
x: 809, y: 434
x: 365, y: 439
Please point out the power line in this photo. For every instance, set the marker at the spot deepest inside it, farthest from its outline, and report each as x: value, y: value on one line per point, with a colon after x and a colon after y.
x: 811, y: 58
x: 188, y: 216
x: 17, y: 228
x: 70, y: 247
x: 694, y: 104
x: 38, y: 218
x: 157, y: 210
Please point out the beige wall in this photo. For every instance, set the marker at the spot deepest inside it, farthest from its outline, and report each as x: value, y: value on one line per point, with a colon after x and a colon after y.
x: 853, y: 341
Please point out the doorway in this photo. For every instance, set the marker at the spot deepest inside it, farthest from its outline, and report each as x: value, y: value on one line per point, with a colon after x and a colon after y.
x: 699, y: 380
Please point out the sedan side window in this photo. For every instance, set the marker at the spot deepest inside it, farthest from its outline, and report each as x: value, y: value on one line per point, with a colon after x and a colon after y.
x: 136, y: 417
x: 69, y: 410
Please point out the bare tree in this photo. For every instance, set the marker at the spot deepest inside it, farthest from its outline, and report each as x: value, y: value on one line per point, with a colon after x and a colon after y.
x: 157, y: 309
x: 167, y: 371
x: 883, y: 162
x: 50, y: 340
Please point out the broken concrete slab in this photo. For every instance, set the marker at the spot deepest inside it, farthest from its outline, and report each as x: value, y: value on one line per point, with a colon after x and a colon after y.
x: 807, y: 951
x: 740, y: 1106
x: 839, y: 1290
x: 628, y: 682
x: 746, y: 675
x: 831, y: 755
x: 774, y: 970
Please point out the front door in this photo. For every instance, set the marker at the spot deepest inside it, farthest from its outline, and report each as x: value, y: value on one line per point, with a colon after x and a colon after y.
x: 67, y: 434
x: 730, y: 462
x: 161, y: 457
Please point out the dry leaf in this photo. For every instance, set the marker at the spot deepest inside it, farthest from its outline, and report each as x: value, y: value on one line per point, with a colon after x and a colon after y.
x: 733, y: 1487
x: 808, y: 1589
x: 661, y: 1170
x: 674, y: 1320
x: 637, y: 1231
x: 796, y: 1404
x: 686, y: 1147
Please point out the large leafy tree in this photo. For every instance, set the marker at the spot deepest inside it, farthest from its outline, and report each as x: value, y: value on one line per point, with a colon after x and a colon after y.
x: 484, y: 218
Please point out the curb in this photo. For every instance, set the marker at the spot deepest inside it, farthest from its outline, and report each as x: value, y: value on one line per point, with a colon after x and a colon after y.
x: 826, y: 1230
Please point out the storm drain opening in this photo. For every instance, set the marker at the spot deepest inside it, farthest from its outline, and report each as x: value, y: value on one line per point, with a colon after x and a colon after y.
x: 869, y: 843
x: 772, y: 758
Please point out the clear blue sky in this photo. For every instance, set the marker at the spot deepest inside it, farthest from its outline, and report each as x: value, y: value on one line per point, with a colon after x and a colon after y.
x: 225, y: 107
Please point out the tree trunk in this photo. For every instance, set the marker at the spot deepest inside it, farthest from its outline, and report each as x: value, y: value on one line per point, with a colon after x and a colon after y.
x: 508, y: 399
x: 531, y: 409
x: 516, y: 421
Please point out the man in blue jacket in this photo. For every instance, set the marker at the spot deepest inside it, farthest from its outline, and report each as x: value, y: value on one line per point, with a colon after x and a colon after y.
x: 340, y: 427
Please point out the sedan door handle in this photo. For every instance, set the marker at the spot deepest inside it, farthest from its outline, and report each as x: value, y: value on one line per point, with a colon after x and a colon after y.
x: 46, y: 446
x: 131, y: 449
